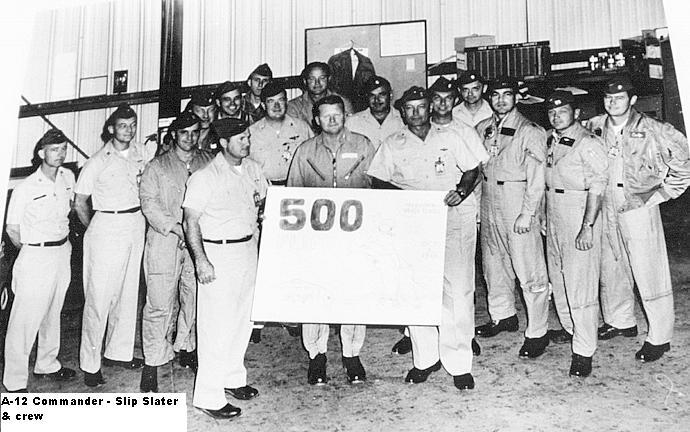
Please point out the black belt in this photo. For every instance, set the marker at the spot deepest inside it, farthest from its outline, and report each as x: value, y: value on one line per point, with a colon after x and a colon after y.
x: 502, y: 182
x: 560, y: 191
x: 129, y: 210
x: 50, y: 243
x: 242, y: 240
x: 278, y: 182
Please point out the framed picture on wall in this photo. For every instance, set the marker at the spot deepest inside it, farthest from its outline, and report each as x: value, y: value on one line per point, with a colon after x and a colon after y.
x: 395, y: 51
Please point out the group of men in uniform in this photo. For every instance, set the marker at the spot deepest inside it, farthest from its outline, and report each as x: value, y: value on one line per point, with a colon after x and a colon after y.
x: 593, y: 192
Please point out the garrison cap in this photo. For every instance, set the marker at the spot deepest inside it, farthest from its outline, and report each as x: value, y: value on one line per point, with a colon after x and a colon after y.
x: 183, y: 121
x: 202, y: 98
x: 618, y: 84
x: 228, y: 127
x: 412, y: 93
x: 271, y: 89
x: 468, y: 77
x: 226, y: 87
x: 559, y: 98
x: 375, y: 82
x: 123, y: 111
x: 502, y: 83
x: 262, y: 70
x: 52, y: 136
x: 442, y: 85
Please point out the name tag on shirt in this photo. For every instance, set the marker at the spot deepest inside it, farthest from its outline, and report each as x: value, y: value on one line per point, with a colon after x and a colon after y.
x: 636, y: 134
x: 348, y: 155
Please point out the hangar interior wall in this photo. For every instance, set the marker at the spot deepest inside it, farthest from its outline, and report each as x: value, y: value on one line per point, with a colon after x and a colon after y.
x: 75, y: 51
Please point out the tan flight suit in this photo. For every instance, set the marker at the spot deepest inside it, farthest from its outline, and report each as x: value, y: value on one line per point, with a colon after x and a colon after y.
x: 227, y: 197
x: 575, y: 167
x: 513, y: 184
x: 316, y: 165
x: 169, y: 270
x: 648, y: 164
x: 437, y: 163
x: 40, y: 276
x: 113, y: 246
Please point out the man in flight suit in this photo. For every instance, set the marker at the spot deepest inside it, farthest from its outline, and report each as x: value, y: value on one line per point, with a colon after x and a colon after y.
x: 252, y: 102
x: 315, y: 80
x: 38, y: 225
x: 473, y: 107
x: 439, y: 159
x: 168, y: 267
x: 576, y: 177
x: 335, y: 158
x: 221, y: 209
x: 648, y: 165
x: 512, y: 190
x: 379, y: 121
x: 113, y: 245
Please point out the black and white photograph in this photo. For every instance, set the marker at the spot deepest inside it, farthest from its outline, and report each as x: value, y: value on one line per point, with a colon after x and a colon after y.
x: 345, y: 215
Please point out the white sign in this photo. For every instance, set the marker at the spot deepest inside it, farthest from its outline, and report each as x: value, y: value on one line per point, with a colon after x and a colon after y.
x: 353, y: 256
x: 403, y: 38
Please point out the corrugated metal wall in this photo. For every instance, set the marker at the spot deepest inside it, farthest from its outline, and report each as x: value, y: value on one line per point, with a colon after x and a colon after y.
x: 75, y: 51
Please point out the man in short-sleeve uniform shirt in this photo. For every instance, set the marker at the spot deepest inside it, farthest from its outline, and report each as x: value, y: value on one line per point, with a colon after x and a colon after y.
x: 113, y: 245
x: 512, y: 191
x: 576, y: 176
x: 38, y: 224
x: 424, y: 156
x: 336, y: 158
x: 473, y: 108
x: 379, y: 121
x: 275, y: 137
x: 648, y: 164
x: 221, y: 209
x: 168, y: 267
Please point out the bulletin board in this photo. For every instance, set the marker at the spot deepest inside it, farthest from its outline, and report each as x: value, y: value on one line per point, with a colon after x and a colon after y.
x: 397, y: 52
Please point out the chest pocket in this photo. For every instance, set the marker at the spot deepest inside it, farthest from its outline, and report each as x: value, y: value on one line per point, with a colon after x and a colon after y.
x: 647, y: 163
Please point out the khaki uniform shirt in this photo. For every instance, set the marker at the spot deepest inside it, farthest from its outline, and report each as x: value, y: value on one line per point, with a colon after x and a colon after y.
x: 41, y: 207
x: 163, y: 185
x: 316, y: 165
x: 301, y: 106
x: 518, y: 153
x: 576, y: 161
x: 111, y: 179
x: 364, y: 123
x: 227, y: 197
x: 464, y: 115
x: 437, y: 163
x: 273, y: 148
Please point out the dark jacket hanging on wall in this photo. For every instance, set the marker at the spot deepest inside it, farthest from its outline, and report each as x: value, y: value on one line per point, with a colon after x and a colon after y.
x: 342, y: 81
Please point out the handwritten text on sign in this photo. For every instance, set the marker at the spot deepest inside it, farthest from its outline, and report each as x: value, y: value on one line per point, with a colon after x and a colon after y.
x: 354, y: 256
